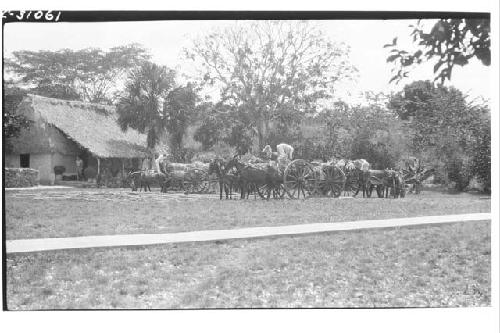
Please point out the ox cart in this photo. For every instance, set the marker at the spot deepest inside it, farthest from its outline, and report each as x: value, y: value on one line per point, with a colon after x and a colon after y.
x: 190, y: 178
x: 307, y: 179
x: 296, y: 179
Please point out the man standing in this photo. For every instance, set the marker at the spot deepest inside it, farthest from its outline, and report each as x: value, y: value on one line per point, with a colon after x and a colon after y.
x: 285, y: 150
x: 79, y: 168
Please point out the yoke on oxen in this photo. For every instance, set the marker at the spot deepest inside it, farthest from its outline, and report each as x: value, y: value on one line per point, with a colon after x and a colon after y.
x: 388, y: 181
x: 354, y: 171
x: 255, y: 175
x: 143, y: 179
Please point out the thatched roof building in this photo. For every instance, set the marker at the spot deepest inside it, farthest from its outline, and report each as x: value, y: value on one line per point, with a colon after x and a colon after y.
x: 63, y: 129
x: 92, y: 126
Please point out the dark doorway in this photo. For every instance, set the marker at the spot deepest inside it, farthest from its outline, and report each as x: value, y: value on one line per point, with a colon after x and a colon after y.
x: 24, y: 160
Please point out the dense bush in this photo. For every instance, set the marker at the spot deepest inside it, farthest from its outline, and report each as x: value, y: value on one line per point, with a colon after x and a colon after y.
x: 459, y: 172
x: 481, y: 165
x: 90, y: 173
x: 481, y: 150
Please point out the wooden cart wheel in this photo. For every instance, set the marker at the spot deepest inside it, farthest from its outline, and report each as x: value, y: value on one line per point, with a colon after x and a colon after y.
x: 300, y: 179
x: 333, y: 181
x: 355, y: 183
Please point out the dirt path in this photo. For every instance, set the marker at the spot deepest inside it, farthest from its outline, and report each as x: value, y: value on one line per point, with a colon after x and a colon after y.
x: 46, y: 244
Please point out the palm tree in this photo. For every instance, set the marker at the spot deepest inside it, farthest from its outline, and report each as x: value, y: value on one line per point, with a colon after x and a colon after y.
x: 142, y: 106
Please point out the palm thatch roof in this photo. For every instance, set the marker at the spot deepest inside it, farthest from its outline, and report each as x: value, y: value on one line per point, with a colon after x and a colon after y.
x: 92, y: 126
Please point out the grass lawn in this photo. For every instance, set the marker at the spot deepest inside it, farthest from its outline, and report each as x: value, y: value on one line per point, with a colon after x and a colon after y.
x: 440, y: 265
x: 79, y: 212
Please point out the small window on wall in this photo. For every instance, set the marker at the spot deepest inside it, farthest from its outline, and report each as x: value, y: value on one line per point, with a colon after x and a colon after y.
x: 25, y: 160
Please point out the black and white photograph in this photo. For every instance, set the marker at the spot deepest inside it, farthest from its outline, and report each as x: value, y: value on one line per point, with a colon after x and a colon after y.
x: 247, y: 160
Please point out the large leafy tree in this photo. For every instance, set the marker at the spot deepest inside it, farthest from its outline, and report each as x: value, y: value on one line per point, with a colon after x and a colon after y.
x: 142, y: 104
x: 154, y: 104
x: 270, y: 71
x: 211, y: 128
x: 89, y: 75
x: 437, y: 113
x: 181, y: 106
x: 450, y: 42
x: 443, y: 126
x: 219, y: 124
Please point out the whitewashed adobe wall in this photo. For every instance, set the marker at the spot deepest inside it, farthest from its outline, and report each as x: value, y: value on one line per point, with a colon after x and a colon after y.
x: 13, y: 161
x: 42, y: 163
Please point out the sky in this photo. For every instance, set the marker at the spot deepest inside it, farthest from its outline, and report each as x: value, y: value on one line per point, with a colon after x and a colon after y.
x: 166, y: 40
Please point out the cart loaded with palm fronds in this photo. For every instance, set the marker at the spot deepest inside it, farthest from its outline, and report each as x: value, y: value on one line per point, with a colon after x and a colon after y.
x: 187, y: 177
x: 302, y: 179
x: 296, y: 179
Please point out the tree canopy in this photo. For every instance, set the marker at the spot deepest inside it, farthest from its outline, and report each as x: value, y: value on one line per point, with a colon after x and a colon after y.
x: 181, y: 106
x: 13, y: 123
x: 450, y: 42
x: 142, y: 104
x: 88, y: 75
x: 271, y: 70
x: 444, y: 128
x: 154, y: 104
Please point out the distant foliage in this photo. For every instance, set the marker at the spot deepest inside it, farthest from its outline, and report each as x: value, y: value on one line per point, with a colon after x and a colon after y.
x: 209, y: 132
x: 370, y: 132
x: 88, y: 75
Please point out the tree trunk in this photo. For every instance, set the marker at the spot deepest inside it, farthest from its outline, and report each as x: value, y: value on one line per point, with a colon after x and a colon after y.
x: 262, y: 131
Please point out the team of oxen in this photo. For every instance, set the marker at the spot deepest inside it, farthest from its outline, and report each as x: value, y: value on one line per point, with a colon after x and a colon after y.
x: 249, y: 174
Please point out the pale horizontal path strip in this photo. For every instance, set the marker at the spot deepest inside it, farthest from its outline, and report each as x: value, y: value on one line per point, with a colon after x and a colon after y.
x: 47, y: 244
